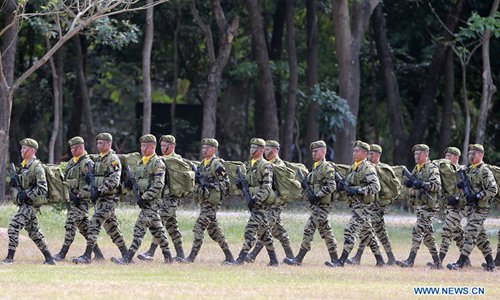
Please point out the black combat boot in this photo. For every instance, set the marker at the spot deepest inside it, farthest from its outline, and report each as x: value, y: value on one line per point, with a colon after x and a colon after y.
x: 10, y: 257
x: 490, y: 264
x: 408, y: 263
x: 49, y: 260
x: 241, y: 258
x: 192, y: 256
x: 459, y: 264
x: 126, y: 258
x: 356, y: 259
x: 437, y: 262
x: 253, y: 254
x: 297, y: 261
x: 62, y: 254
x: 333, y: 256
x: 380, y: 260
x: 98, y: 253
x: 288, y: 252
x: 497, y: 259
x: 85, y: 258
x: 167, y: 257
x: 391, y: 260
x: 148, y: 255
x: 229, y: 260
x: 180, y: 253
x: 442, y: 255
x: 273, y: 260
x: 338, y: 262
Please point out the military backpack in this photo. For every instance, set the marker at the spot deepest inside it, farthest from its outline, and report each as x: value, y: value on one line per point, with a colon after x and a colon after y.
x: 286, y: 184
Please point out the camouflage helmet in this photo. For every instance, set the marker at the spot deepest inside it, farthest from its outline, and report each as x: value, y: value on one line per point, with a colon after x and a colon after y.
x: 76, y: 141
x: 30, y: 143
x: 375, y: 148
x: 272, y: 143
x: 362, y: 145
x: 453, y: 150
x: 258, y: 142
x: 476, y: 147
x: 167, y: 138
x: 317, y: 144
x: 104, y: 136
x: 420, y: 147
x: 147, y: 138
x: 210, y: 142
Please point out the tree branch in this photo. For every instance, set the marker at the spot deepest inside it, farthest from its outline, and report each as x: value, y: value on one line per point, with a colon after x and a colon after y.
x: 206, y: 30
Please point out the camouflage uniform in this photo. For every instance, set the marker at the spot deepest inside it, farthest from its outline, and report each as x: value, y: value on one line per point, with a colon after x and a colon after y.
x: 34, y: 184
x: 363, y: 180
x: 424, y: 200
x: 210, y: 197
x: 168, y: 214
x: 260, y: 179
x: 484, y: 189
x: 107, y: 172
x: 150, y: 177
x: 78, y: 212
x: 278, y: 230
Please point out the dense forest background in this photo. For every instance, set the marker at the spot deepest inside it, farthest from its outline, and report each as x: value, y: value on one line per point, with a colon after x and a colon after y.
x: 390, y: 72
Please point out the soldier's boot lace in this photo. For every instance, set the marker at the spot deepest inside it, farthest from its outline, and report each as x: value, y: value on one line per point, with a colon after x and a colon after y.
x: 408, y: 263
x: 297, y: 261
x: 62, y: 254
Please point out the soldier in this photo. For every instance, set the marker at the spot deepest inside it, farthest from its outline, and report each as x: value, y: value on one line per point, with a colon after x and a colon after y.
x: 321, y: 180
x: 477, y: 206
x: 31, y: 192
x: 362, y: 184
x: 210, y: 190
x: 168, y: 208
x: 424, y: 185
x: 150, y: 180
x: 105, y: 196
x: 79, y: 194
x: 260, y: 180
x: 278, y: 231
x: 453, y: 206
x: 380, y: 208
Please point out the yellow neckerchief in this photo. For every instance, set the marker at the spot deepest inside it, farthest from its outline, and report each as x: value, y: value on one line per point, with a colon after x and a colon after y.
x: 77, y: 158
x: 317, y: 163
x: 272, y: 160
x: 24, y: 163
x: 169, y: 155
x: 356, y: 164
x: 206, y: 161
x: 476, y: 165
x: 419, y: 167
x: 145, y: 159
x: 102, y: 154
x: 252, y: 163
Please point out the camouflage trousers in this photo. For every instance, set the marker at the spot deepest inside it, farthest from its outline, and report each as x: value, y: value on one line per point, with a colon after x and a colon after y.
x: 168, y: 214
x: 104, y: 215
x: 378, y: 224
x: 423, y: 230
x: 149, y: 219
x: 77, y: 218
x: 475, y: 234
x: 361, y: 221
x: 278, y: 231
x: 257, y: 227
x: 207, y: 220
x: 25, y: 217
x: 452, y: 229
x: 319, y: 220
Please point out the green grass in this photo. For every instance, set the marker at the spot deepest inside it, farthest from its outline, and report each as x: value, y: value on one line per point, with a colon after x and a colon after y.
x: 207, y: 278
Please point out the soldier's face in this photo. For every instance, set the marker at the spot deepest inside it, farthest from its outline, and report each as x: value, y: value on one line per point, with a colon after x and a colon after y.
x: 77, y: 150
x: 270, y: 152
x: 420, y: 156
x: 103, y: 146
x: 475, y: 157
x: 318, y: 153
x: 373, y: 157
x: 167, y: 148
x: 452, y: 157
x: 358, y: 154
x: 147, y: 149
x: 207, y: 151
x: 256, y: 151
x: 27, y: 152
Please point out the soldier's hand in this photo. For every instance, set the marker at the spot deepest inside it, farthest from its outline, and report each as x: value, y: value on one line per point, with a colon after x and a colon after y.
x: 453, y: 200
x: 239, y: 184
x: 352, y: 191
x: 408, y: 183
x: 471, y: 199
x: 74, y: 198
x: 313, y: 199
x: 417, y: 183
x: 13, y: 183
x: 23, y: 197
x: 95, y: 195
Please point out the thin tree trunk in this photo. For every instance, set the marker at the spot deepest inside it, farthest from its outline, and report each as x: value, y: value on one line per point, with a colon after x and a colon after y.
x: 489, y: 87
x: 146, y: 69
x: 448, y: 99
x: 292, y: 88
x: 467, y: 114
x: 60, y: 143
x: 176, y: 68
x: 57, y: 101
x: 269, y: 113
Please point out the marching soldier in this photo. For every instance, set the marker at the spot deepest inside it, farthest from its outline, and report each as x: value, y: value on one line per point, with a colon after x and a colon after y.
x: 150, y: 180
x: 31, y: 192
x: 380, y: 208
x: 260, y: 180
x: 278, y: 231
x: 79, y: 194
x: 210, y: 190
x: 362, y: 186
x: 168, y: 208
x: 105, y: 196
x: 321, y: 180
x: 483, y: 188
x: 424, y: 185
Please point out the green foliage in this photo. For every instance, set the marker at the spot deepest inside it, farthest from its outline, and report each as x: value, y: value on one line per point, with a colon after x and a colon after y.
x: 114, y: 33
x: 476, y: 25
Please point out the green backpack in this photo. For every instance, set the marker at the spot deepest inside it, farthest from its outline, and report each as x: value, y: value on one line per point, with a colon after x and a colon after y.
x: 231, y: 167
x: 390, y: 186
x: 343, y: 171
x: 179, y: 176
x: 286, y: 184
x: 496, y: 173
x: 58, y: 188
x: 449, y: 177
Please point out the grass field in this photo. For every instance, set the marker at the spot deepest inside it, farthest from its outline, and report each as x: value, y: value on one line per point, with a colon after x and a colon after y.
x: 207, y: 278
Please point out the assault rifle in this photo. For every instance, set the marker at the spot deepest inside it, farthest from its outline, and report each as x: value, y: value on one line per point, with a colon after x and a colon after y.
x: 342, y: 184
x: 412, y: 179
x: 198, y: 177
x: 243, y: 185
x: 91, y: 175
x: 15, y: 181
x: 464, y: 184
x: 135, y: 187
x: 311, y: 196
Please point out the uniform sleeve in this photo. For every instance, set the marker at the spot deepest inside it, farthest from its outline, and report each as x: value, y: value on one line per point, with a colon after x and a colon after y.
x: 40, y: 187
x: 266, y: 187
x: 158, y: 181
x: 221, y: 176
x: 433, y: 183
x: 371, y: 182
x: 490, y: 187
x: 112, y: 181
x: 329, y: 185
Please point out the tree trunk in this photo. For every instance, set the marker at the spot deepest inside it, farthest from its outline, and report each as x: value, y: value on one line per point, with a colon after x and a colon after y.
x: 269, y: 113
x: 391, y: 85
x: 146, y: 69
x: 276, y: 50
x: 60, y: 142
x: 448, y: 99
x: 7, y: 67
x: 488, y: 86
x: 89, y: 133
x: 292, y: 88
x: 58, y: 99
x: 467, y: 114
x: 348, y: 42
x: 312, y: 126
x: 173, y: 125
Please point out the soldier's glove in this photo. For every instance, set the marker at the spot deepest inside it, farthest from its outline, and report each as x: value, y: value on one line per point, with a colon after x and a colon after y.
x: 417, y: 183
x: 313, y: 199
x: 239, y: 184
x: 128, y: 184
x: 460, y: 185
x: 13, y: 183
x: 453, y: 200
x: 471, y: 199
x: 23, y: 197
x: 352, y: 191
x: 74, y: 198
x: 95, y: 195
x: 408, y: 183
x: 140, y: 202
